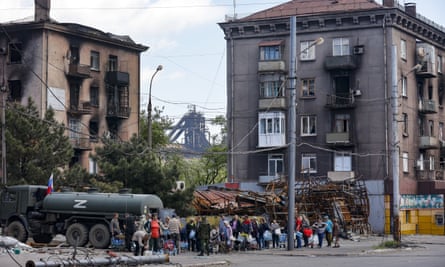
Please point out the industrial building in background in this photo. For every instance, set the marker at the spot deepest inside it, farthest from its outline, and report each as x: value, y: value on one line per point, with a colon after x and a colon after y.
x: 369, y: 104
x: 91, y: 79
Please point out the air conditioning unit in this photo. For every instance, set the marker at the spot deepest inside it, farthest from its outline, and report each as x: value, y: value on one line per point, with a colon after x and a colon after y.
x: 180, y: 185
x: 359, y: 49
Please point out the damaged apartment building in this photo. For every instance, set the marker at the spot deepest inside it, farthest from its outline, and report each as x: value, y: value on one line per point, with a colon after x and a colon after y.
x: 369, y: 103
x: 91, y: 79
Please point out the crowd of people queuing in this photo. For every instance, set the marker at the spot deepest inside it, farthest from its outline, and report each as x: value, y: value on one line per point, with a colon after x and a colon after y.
x: 233, y: 233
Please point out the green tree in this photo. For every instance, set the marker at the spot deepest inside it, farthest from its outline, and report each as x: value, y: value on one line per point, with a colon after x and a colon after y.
x: 35, y: 147
x: 132, y: 164
x: 211, y: 168
x: 159, y: 126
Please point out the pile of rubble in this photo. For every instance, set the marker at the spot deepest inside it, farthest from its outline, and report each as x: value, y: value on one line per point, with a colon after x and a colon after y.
x: 346, y: 200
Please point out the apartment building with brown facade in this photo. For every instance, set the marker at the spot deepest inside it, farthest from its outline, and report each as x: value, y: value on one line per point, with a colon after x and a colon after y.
x: 91, y: 79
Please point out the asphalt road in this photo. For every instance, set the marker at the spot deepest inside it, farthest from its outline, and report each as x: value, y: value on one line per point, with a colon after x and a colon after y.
x: 420, y: 251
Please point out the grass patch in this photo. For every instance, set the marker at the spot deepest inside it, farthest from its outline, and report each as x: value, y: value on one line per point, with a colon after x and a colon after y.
x: 389, y: 244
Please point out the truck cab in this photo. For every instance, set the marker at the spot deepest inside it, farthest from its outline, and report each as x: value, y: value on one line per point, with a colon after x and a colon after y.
x: 15, y: 203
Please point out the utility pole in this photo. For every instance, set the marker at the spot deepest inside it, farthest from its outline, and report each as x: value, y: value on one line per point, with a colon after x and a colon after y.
x: 4, y: 170
x: 292, y: 134
x: 395, y: 150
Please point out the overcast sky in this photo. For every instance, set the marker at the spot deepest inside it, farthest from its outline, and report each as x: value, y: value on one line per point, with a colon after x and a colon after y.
x: 183, y: 36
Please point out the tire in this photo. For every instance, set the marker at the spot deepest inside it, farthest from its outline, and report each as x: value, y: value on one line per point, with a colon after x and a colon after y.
x: 77, y: 235
x: 17, y: 230
x: 43, y: 238
x: 99, y: 236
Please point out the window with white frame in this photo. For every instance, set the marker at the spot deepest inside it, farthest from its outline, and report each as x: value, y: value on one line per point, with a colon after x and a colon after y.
x: 420, y: 165
x: 92, y: 166
x: 431, y: 163
x: 404, y: 86
x: 275, y: 164
x: 342, y: 161
x: 403, y: 49
x: 405, y: 165
x: 342, y: 123
x: 340, y: 47
x: 271, y: 129
x: 307, y: 50
x: 95, y: 60
x: 74, y: 126
x: 272, y: 52
x: 271, y: 89
x: 307, y: 87
x: 439, y: 64
x: 308, y: 125
x: 308, y: 163
x: 271, y: 125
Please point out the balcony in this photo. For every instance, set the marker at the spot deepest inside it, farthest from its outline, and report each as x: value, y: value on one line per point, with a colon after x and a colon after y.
x: 271, y: 140
x: 117, y: 77
x: 265, y: 179
x: 428, y: 142
x: 272, y: 66
x: 340, y: 101
x: 272, y: 103
x: 79, y: 70
x: 341, y: 139
x: 340, y: 176
x: 118, y: 112
x: 80, y: 109
x: 427, y: 106
x: 340, y: 62
x: 81, y: 143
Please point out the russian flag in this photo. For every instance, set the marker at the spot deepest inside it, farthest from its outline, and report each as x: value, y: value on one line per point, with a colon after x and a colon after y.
x: 50, y: 188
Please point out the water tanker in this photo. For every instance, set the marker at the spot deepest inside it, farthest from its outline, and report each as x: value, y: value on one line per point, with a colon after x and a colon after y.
x: 26, y: 211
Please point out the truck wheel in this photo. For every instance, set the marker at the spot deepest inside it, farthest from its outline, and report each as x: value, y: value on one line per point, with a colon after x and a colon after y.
x: 17, y: 230
x: 77, y: 235
x: 43, y: 238
x: 99, y: 236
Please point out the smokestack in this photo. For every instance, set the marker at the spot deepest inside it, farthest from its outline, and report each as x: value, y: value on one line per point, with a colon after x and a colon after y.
x: 410, y: 9
x: 41, y: 10
x: 388, y: 3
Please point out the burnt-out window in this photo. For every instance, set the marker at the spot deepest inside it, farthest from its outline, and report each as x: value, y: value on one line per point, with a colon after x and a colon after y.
x: 94, y: 129
x: 15, y: 90
x: 112, y: 63
x: 94, y: 96
x: 15, y: 53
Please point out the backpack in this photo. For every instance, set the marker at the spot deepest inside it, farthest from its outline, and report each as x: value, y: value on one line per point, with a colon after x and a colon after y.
x: 147, y: 226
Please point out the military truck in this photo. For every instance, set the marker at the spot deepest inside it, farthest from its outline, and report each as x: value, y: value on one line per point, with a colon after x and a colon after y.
x: 28, y: 211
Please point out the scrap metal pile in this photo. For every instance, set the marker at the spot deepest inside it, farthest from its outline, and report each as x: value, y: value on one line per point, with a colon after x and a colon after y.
x: 314, y: 197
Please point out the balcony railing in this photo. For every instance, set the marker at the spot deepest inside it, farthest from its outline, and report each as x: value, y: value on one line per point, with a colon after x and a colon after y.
x: 340, y: 101
x: 427, y: 106
x: 428, y: 142
x: 275, y: 103
x: 79, y: 70
x: 343, y: 138
x: 340, y: 62
x: 82, y: 108
x: 118, y: 112
x: 81, y: 143
x: 276, y: 65
x: 117, y: 77
x: 338, y: 176
x: 271, y: 140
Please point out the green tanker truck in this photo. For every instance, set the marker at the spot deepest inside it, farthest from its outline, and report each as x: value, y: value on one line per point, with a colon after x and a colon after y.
x: 27, y: 211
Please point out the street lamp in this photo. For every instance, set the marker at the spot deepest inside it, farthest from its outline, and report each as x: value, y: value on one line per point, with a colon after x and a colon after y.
x: 293, y: 128
x: 149, y: 133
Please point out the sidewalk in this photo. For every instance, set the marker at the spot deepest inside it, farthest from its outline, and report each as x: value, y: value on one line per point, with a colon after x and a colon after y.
x: 361, y: 245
